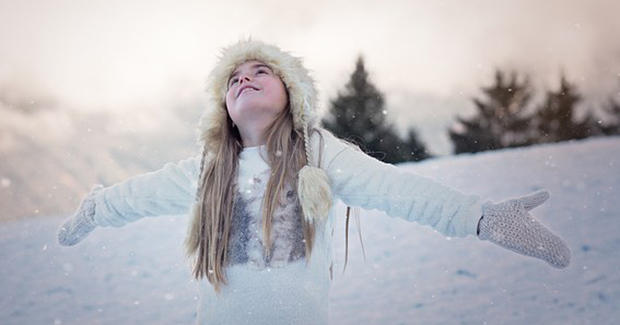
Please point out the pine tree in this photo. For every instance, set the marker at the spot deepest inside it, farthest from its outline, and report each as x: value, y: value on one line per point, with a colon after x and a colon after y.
x: 413, y: 149
x: 556, y: 120
x: 501, y: 120
x: 358, y: 114
x: 612, y: 110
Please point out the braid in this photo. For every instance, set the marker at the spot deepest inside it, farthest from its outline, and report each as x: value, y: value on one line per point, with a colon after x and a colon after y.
x: 307, y: 144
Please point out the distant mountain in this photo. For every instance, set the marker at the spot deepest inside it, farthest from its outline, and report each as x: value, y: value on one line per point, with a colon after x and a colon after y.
x: 50, y: 158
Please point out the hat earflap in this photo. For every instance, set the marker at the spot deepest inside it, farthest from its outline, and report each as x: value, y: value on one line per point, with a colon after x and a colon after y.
x: 313, y: 188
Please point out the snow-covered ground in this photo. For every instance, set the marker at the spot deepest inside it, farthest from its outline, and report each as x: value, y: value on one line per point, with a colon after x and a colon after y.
x: 138, y: 275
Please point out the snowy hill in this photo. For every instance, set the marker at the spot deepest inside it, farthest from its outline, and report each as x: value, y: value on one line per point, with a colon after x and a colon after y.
x: 412, y: 275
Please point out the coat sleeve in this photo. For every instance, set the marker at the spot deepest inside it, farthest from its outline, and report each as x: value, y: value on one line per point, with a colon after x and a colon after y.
x: 360, y: 180
x: 170, y: 190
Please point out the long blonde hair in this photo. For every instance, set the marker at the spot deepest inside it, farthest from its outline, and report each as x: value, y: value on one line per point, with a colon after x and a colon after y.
x: 209, y: 232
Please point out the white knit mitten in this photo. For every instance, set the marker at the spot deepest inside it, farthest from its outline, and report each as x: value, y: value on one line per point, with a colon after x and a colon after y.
x: 508, y: 224
x: 82, y: 223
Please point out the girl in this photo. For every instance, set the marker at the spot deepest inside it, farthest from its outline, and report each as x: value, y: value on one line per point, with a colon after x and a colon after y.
x: 262, y: 190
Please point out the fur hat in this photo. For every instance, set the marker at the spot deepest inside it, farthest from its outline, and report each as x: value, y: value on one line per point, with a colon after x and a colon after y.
x: 313, y: 184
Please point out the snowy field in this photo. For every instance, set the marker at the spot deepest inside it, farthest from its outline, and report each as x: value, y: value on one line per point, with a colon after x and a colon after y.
x: 412, y: 275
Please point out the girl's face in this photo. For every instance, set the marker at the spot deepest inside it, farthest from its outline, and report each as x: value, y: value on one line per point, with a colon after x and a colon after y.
x: 255, y: 97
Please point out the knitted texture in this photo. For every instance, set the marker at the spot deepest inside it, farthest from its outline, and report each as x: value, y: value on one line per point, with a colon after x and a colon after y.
x: 82, y: 223
x: 509, y: 225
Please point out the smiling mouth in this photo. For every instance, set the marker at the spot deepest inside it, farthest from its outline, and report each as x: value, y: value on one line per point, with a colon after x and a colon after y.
x: 249, y: 88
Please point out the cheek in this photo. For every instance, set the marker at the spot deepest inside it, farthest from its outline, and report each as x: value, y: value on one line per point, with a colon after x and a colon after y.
x: 230, y: 102
x: 282, y: 96
x: 230, y: 98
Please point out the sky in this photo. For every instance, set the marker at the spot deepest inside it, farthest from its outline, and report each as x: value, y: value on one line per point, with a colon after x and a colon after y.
x: 137, y: 58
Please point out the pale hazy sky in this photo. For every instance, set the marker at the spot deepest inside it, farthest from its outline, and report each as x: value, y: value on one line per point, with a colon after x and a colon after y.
x: 428, y: 57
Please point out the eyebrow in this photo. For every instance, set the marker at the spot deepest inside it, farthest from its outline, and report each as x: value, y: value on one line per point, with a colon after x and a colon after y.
x: 256, y: 66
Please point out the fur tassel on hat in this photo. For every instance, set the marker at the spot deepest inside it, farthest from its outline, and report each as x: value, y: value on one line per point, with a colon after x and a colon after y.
x: 314, y: 193
x: 313, y: 187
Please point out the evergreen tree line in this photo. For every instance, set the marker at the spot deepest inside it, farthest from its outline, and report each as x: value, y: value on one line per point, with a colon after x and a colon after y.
x: 505, y: 118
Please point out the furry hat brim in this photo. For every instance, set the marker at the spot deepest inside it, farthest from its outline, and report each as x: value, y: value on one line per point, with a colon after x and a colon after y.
x: 296, y: 78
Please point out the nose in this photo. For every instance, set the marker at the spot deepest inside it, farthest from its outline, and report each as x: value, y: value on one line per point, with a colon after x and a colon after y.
x: 243, y: 78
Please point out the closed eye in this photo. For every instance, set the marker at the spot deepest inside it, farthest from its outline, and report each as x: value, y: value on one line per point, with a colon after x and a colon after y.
x: 260, y: 69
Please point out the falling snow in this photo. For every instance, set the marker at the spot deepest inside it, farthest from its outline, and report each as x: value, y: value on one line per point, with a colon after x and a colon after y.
x: 138, y: 274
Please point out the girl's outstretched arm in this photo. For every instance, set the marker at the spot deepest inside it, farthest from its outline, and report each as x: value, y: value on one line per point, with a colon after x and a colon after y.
x: 167, y: 191
x: 360, y: 180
